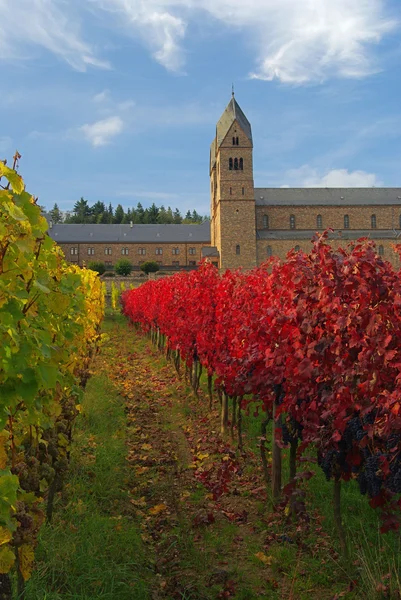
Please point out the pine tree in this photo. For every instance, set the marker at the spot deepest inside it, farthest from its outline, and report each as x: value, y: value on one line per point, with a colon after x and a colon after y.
x: 56, y: 215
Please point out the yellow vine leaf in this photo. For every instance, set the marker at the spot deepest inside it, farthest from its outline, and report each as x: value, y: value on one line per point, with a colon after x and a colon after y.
x: 7, y: 559
x: 157, y: 509
x: 26, y: 558
x: 266, y: 560
x: 5, y: 535
x: 4, y: 435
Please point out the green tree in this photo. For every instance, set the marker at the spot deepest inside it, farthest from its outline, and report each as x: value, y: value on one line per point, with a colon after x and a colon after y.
x: 177, y: 217
x: 97, y: 211
x: 150, y: 267
x: 99, y: 267
x: 56, y: 215
x: 140, y: 213
x: 151, y: 214
x: 123, y: 267
x: 119, y: 214
x: 82, y: 211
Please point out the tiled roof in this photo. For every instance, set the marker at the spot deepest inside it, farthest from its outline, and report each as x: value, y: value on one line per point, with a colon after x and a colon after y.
x: 327, y: 196
x: 233, y: 112
x: 71, y: 233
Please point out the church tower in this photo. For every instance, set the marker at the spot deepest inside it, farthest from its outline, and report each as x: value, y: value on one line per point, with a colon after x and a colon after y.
x: 232, y: 212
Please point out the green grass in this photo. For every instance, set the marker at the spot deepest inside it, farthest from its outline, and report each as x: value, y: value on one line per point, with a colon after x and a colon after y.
x: 93, y: 548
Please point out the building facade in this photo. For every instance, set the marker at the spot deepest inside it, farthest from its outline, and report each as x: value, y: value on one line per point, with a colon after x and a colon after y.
x: 171, y: 246
x: 249, y: 225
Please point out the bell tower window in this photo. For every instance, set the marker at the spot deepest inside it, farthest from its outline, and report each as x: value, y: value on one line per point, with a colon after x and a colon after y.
x: 237, y: 249
x: 230, y: 164
x: 241, y: 164
x: 235, y: 164
x: 235, y: 141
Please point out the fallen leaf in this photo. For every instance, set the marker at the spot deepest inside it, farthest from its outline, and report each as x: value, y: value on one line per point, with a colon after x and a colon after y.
x: 157, y: 509
x: 266, y: 560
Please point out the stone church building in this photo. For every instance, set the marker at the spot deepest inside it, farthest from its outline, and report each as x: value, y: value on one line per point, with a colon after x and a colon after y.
x: 248, y: 224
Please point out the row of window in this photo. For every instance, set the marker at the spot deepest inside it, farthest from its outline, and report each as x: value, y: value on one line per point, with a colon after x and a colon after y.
x: 236, y: 164
x: 125, y: 251
x: 175, y: 263
x: 235, y: 141
x: 319, y: 221
x: 269, y: 250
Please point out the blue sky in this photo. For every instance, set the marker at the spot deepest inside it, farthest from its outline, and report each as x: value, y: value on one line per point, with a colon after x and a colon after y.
x: 117, y: 100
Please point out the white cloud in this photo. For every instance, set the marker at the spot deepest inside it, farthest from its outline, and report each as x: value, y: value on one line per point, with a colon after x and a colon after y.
x: 101, y: 96
x: 295, y: 41
x: 100, y: 133
x: 308, y: 177
x: 47, y: 24
x: 160, y: 29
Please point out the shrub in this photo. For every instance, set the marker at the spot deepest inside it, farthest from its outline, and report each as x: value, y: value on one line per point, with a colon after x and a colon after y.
x: 150, y: 267
x: 99, y: 267
x: 109, y: 274
x: 123, y: 267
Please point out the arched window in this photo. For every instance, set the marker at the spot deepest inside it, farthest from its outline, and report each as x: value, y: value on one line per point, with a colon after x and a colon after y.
x: 269, y: 251
x: 235, y: 164
x: 237, y: 141
x: 292, y: 221
x: 381, y: 250
x: 237, y: 249
x: 230, y: 164
x: 297, y: 248
x: 233, y: 141
x: 373, y: 221
x: 346, y: 221
x: 241, y: 164
x: 266, y: 221
x: 319, y: 222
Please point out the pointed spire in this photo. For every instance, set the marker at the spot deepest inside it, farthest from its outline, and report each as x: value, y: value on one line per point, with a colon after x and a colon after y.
x: 232, y: 113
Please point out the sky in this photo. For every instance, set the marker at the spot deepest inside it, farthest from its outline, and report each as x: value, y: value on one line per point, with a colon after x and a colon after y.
x: 117, y: 100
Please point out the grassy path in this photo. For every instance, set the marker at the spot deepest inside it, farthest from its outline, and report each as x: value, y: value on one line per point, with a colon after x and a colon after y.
x: 159, y: 506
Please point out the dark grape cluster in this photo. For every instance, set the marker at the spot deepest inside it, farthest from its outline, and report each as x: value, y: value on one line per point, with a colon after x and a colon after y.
x: 328, y: 462
x: 370, y: 481
x: 291, y: 431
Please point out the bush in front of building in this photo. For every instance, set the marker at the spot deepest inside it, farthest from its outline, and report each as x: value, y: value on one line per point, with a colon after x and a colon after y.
x: 123, y: 267
x: 150, y: 267
x: 99, y: 267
